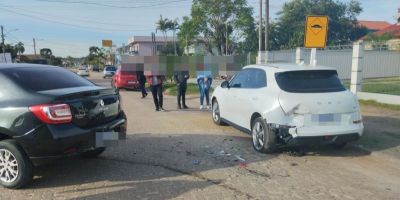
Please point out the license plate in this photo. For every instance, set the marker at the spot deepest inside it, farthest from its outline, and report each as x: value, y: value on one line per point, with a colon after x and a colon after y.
x: 326, y: 118
x: 131, y: 82
x: 104, y: 139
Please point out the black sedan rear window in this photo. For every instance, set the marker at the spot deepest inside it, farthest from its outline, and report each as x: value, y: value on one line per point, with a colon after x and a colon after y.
x: 45, y: 78
x: 309, y: 81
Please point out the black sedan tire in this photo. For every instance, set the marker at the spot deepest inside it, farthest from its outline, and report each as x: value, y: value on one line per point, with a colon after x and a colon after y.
x: 15, y: 166
x: 93, y: 153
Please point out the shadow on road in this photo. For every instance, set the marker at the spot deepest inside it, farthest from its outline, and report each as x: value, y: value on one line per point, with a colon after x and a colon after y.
x: 381, y: 133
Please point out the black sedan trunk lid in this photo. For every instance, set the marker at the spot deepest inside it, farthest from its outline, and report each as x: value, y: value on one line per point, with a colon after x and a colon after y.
x: 90, y: 106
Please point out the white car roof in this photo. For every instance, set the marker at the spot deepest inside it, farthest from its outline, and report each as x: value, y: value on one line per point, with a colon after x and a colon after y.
x: 281, y: 67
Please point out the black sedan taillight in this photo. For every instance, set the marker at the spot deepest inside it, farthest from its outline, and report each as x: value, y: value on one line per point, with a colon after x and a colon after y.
x: 52, y: 113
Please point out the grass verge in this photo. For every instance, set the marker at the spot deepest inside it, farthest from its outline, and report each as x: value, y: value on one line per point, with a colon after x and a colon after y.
x: 380, y: 85
x: 377, y: 104
x: 192, y: 88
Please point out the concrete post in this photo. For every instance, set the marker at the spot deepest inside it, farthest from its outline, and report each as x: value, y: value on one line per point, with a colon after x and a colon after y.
x: 356, y: 67
x: 313, y: 57
x: 262, y: 57
x: 299, y: 58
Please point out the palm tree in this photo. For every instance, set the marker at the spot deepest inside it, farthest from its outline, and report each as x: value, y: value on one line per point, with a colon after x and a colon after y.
x: 19, y: 47
x: 163, y: 26
x: 173, y: 26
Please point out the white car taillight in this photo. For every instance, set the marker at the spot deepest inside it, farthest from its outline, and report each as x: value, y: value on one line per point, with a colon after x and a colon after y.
x: 52, y: 113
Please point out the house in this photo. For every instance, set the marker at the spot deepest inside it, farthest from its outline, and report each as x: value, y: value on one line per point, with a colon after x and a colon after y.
x: 392, y: 30
x: 144, y: 46
x: 373, y: 26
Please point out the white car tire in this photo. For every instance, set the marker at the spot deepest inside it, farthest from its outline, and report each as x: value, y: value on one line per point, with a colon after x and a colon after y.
x: 216, y: 115
x: 264, y: 140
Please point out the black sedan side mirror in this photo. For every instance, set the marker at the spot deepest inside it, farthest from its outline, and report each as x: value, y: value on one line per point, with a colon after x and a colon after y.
x: 225, y: 84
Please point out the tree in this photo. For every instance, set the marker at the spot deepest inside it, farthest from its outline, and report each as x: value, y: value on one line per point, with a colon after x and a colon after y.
x: 379, y: 38
x: 93, y: 50
x: 163, y: 25
x: 187, y: 33
x: 173, y: 25
x: 46, y: 52
x: 56, y: 61
x: 95, y: 57
x: 288, y: 30
x: 70, y: 61
x: 19, y: 47
x: 221, y: 21
x: 9, y: 49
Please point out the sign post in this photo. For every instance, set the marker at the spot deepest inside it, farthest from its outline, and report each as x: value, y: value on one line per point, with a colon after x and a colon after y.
x: 316, y: 33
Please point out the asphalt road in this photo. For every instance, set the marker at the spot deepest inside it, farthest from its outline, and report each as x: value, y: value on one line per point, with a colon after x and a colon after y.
x: 183, y: 155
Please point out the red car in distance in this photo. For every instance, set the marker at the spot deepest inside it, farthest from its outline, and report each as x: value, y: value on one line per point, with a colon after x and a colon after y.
x: 125, y: 78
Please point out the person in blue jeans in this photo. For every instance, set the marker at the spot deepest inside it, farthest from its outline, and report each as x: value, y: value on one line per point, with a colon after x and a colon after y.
x: 204, y: 83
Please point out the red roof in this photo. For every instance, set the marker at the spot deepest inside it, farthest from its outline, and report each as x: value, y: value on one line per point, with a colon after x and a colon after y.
x: 393, y: 30
x: 374, y: 25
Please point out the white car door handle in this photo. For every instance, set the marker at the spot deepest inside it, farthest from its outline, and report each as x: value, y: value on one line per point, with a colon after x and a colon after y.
x: 254, y: 98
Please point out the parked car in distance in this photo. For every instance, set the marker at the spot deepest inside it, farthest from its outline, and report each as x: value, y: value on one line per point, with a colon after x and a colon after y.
x: 125, y: 77
x: 83, y: 71
x: 288, y: 104
x: 48, y: 112
x: 96, y: 68
x: 109, y: 71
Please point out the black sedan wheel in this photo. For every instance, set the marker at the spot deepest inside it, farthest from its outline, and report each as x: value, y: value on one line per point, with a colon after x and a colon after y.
x: 15, y: 166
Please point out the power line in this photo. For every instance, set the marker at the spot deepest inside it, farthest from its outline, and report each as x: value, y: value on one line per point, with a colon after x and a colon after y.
x: 80, y: 19
x: 68, y: 24
x: 109, y: 5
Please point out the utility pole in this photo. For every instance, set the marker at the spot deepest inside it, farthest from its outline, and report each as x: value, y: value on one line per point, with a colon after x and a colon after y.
x: 187, y: 48
x: 3, y: 44
x: 260, y: 27
x: 266, y: 25
x: 2, y: 39
x: 226, y: 38
x: 34, y: 45
x: 175, y: 24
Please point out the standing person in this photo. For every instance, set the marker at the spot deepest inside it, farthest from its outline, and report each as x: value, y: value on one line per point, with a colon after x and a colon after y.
x: 204, y: 83
x: 142, y: 83
x: 181, y: 86
x: 156, y: 84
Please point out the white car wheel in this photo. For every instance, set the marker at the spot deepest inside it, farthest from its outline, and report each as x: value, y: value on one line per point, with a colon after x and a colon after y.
x: 264, y: 140
x: 216, y: 113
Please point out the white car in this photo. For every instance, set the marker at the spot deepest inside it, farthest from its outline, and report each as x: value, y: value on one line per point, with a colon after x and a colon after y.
x: 83, y: 71
x: 288, y: 104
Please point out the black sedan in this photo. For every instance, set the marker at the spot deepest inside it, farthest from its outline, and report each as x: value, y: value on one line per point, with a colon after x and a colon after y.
x: 49, y: 112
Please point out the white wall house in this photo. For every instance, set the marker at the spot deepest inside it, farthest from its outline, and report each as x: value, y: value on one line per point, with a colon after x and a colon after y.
x: 143, y: 45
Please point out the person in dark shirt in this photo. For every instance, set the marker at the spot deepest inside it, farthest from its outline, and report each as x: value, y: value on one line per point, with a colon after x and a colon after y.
x: 142, y: 83
x: 181, y: 84
x: 156, y: 84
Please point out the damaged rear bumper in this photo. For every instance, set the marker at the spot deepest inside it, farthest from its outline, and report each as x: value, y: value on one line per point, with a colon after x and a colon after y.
x: 291, y: 135
x: 323, y: 140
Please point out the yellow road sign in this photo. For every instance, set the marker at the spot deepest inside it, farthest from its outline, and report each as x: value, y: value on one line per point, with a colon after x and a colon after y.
x: 316, y: 32
x: 107, y: 43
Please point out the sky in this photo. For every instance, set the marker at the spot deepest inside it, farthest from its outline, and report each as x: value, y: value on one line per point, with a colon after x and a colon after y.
x: 70, y: 27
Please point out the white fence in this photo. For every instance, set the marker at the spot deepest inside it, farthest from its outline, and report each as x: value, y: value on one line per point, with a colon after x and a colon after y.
x: 375, y: 64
